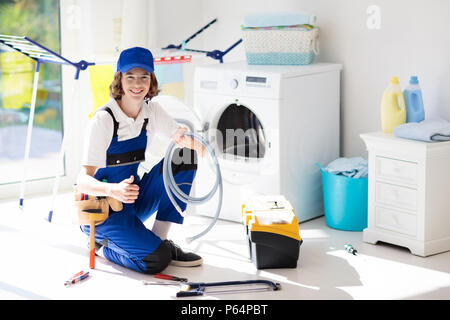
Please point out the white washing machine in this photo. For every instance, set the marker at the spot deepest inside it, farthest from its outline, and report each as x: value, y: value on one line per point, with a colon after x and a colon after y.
x: 269, y: 125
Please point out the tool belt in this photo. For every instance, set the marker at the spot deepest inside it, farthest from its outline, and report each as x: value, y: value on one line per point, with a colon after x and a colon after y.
x: 94, y: 208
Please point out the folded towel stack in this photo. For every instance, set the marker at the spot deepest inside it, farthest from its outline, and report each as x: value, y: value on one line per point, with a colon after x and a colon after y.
x: 431, y: 130
x: 356, y: 167
x: 278, y: 19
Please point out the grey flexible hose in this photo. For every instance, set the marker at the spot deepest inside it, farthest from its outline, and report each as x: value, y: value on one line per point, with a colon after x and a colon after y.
x: 172, y: 188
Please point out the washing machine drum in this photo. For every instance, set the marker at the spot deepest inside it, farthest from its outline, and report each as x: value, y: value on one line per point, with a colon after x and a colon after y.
x: 240, y: 133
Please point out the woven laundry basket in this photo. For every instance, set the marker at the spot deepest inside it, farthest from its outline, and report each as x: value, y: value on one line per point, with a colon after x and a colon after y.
x: 295, y: 45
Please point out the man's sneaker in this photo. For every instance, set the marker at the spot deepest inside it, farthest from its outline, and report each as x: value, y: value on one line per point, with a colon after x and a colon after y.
x: 181, y: 258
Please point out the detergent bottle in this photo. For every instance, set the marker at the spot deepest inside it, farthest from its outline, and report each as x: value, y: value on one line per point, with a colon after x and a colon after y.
x: 393, y: 111
x: 413, y: 101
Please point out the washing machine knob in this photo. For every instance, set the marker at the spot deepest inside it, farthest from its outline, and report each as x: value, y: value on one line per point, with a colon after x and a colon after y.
x: 234, y: 83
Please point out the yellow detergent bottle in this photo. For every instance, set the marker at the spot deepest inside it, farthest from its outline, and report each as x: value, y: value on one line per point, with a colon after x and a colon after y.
x: 393, y: 111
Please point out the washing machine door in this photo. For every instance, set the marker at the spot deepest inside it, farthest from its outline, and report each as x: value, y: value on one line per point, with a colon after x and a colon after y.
x: 238, y: 137
x: 242, y: 133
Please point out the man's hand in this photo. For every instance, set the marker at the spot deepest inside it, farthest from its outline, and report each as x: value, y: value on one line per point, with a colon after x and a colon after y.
x: 125, y: 191
x: 184, y: 141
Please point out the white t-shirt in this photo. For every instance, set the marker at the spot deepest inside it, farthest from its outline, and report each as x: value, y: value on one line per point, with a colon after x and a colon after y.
x: 101, y: 128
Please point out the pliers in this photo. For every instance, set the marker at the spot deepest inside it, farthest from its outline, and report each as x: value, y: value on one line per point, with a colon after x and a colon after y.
x: 174, y: 280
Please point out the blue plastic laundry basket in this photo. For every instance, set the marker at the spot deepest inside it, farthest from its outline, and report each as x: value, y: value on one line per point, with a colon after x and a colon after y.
x: 345, y: 201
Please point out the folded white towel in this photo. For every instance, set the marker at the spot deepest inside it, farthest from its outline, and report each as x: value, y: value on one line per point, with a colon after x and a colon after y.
x: 278, y: 19
x: 431, y: 130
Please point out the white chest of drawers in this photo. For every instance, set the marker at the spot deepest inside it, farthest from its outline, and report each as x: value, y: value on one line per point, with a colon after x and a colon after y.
x: 409, y: 193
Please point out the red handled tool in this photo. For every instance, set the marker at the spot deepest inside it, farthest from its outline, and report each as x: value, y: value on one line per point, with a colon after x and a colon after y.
x: 77, y: 277
x: 94, y: 214
x: 169, y: 277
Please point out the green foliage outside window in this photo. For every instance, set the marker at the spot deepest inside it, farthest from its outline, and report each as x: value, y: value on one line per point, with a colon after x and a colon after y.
x: 38, y: 20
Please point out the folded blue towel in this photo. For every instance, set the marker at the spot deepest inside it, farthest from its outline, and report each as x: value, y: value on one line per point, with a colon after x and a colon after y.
x: 278, y: 19
x: 356, y: 167
x: 431, y: 130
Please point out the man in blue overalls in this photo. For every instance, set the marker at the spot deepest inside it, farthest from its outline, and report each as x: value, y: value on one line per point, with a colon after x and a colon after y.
x: 118, y: 136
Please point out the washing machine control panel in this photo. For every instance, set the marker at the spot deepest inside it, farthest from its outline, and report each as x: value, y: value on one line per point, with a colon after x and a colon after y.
x: 234, y: 83
x: 249, y: 83
x: 252, y: 81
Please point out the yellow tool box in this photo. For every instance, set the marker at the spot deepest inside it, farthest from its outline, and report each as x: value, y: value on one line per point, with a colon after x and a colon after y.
x: 272, y: 231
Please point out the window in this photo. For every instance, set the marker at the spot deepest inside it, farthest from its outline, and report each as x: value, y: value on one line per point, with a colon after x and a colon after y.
x: 38, y: 20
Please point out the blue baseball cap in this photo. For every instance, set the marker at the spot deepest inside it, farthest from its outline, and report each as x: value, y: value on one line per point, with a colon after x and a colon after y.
x: 136, y: 57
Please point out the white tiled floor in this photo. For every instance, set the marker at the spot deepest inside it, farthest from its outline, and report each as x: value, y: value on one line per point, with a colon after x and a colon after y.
x: 37, y: 257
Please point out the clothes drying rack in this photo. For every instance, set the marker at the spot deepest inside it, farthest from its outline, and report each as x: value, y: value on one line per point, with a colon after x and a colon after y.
x: 40, y: 54
x: 215, y: 54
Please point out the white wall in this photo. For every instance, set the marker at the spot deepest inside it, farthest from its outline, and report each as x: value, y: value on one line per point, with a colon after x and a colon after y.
x: 413, y: 39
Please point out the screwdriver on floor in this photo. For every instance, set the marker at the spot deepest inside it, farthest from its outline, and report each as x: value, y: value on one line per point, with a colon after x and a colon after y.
x: 349, y: 248
x: 169, y: 277
x: 174, y: 280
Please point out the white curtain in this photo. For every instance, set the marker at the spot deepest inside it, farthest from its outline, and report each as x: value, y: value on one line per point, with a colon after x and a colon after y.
x: 135, y: 23
x: 102, y: 28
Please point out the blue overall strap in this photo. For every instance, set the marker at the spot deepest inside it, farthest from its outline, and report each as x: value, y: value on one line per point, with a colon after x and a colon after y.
x: 116, y: 124
x: 124, y: 158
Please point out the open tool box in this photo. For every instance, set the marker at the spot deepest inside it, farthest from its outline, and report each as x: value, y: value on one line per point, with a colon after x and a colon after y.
x: 272, y: 231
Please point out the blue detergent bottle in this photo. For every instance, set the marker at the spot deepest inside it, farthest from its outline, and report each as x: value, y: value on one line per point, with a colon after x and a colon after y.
x: 413, y: 101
